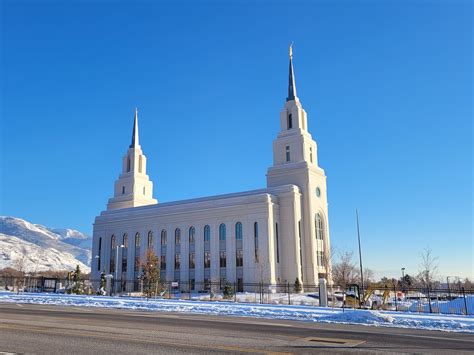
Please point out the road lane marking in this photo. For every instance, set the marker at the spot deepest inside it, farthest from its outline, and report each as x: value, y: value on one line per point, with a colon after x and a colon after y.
x: 123, y: 337
x: 334, y: 342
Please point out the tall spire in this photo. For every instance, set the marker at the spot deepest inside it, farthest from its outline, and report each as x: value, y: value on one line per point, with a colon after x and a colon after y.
x: 291, y: 78
x: 135, y: 131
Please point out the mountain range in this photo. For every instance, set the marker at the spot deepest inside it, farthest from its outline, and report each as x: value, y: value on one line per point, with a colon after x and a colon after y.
x: 34, y: 247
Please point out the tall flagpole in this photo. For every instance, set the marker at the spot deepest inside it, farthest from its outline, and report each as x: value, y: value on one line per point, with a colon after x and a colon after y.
x: 360, y: 252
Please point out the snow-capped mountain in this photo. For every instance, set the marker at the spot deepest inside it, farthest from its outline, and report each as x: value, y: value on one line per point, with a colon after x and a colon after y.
x: 40, y: 248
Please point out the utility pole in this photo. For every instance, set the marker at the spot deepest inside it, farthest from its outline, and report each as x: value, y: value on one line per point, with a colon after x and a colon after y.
x: 360, y: 253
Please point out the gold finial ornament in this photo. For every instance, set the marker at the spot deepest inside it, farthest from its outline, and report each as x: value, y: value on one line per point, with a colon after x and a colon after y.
x: 290, y: 50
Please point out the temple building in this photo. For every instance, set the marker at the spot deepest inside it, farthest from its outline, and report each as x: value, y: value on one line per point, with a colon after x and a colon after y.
x: 273, y: 235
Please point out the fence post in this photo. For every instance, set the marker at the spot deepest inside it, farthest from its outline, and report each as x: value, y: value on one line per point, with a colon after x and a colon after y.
x: 464, y: 296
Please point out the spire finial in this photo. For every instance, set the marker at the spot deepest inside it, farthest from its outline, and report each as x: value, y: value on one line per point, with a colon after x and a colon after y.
x: 291, y: 77
x: 135, y: 131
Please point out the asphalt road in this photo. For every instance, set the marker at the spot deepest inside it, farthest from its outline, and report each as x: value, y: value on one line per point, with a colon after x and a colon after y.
x: 65, y: 330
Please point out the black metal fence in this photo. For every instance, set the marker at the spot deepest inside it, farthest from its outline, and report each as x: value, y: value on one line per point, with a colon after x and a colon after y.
x: 455, y: 300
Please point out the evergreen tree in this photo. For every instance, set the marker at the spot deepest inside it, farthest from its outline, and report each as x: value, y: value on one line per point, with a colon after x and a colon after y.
x: 298, y: 288
x: 151, y: 274
x: 78, y: 286
x: 228, y: 290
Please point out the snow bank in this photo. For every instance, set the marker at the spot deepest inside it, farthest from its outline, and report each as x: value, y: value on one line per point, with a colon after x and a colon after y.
x: 456, y: 306
x: 288, y: 312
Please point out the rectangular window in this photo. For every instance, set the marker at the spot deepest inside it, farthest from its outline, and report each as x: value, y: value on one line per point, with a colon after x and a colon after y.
x: 191, y: 261
x: 255, y: 236
x: 163, y: 263
x: 222, y: 259
x: 177, y: 261
x: 123, y: 190
x: 207, y: 260
x: 192, y: 283
x: 99, y: 254
x: 276, y: 241
x: 239, y: 258
x: 287, y: 153
x: 124, y: 260
x: 240, y: 285
x: 137, y: 264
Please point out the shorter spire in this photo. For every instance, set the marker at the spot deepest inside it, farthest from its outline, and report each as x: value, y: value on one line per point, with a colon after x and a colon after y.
x: 135, y: 142
x: 291, y: 77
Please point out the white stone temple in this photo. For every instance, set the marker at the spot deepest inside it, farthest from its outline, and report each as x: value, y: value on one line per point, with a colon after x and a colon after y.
x: 274, y: 235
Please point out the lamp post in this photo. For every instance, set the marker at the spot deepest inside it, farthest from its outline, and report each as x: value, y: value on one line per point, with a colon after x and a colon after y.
x: 116, y: 265
x: 360, y: 253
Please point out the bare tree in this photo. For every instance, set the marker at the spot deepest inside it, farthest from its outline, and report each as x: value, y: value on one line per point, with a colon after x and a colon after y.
x: 328, y: 261
x: 369, y: 276
x: 20, y: 265
x: 344, y: 270
x: 150, y: 267
x: 428, y: 267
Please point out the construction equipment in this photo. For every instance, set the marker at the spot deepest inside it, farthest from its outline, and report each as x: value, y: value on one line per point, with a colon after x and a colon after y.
x: 354, y: 299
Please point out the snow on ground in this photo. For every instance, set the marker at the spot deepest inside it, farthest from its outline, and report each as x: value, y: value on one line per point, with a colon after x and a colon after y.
x: 455, y: 323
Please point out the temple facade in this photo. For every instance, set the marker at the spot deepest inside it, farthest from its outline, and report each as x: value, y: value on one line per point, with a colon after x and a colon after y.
x: 273, y: 236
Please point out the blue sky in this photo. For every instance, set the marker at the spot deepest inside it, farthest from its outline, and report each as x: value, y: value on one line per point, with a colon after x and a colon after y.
x: 387, y: 87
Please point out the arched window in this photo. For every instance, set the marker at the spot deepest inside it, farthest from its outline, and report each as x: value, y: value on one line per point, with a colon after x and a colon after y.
x: 238, y: 231
x: 222, y: 231
x: 113, y: 244
x: 192, y: 233
x: 207, y: 233
x: 163, y: 237
x: 319, y: 227
x: 177, y: 236
x: 137, y: 262
x: 290, y: 121
x: 255, y: 237
x: 163, y: 250
x: 140, y: 164
x: 311, y: 154
x: 287, y: 151
x: 239, y: 253
x: 150, y: 240
x: 124, y: 252
x: 128, y: 164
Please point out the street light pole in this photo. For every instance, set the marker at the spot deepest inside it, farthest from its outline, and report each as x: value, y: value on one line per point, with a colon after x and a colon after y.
x: 360, y: 253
